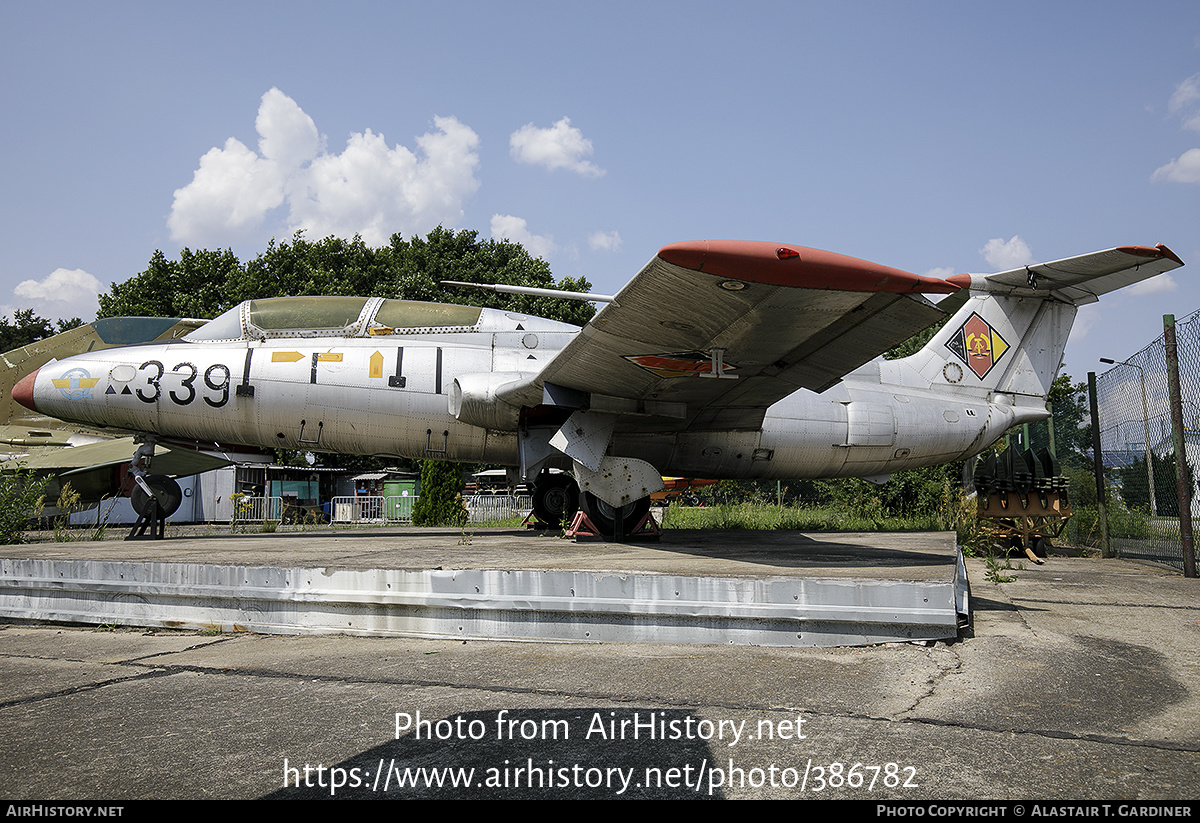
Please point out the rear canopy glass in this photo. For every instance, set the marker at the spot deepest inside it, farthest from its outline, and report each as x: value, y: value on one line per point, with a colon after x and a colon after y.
x: 408, y: 314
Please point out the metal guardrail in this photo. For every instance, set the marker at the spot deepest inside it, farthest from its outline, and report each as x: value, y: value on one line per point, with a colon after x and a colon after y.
x: 398, y: 509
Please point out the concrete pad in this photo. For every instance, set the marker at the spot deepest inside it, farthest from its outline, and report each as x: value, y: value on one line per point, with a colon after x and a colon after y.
x: 1078, y: 685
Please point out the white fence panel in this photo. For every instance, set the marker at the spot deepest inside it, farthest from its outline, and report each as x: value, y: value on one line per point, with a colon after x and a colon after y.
x: 258, y: 509
x: 487, y: 508
x: 357, y: 510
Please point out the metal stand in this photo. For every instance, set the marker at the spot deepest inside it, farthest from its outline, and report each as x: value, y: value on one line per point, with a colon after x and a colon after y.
x: 150, y: 520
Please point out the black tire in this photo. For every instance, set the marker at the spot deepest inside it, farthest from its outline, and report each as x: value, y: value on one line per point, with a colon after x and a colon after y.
x: 603, y: 516
x: 166, y: 490
x: 555, y: 498
x: 1040, y: 544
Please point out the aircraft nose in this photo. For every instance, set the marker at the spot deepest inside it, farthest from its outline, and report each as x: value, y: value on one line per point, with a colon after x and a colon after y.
x: 23, y: 391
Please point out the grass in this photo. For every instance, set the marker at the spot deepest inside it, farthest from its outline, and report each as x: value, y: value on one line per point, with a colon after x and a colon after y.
x: 824, y: 518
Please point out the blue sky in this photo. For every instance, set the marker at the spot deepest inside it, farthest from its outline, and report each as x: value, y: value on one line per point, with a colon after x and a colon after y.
x: 937, y: 137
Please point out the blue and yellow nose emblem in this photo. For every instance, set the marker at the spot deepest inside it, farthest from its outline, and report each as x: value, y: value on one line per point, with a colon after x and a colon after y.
x: 75, y: 384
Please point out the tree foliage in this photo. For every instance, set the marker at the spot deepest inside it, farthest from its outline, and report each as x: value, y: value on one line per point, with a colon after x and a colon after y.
x: 205, y: 283
x: 440, y: 502
x: 27, y: 327
x: 1135, y: 484
x: 21, y: 496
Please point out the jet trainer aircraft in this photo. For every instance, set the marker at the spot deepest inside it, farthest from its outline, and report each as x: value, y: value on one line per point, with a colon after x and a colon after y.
x: 720, y: 359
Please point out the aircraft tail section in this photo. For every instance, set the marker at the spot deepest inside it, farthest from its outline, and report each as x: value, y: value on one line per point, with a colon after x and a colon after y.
x: 1009, y: 335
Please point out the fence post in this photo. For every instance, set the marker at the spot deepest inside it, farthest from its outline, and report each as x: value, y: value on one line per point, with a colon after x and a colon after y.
x: 1183, y: 484
x: 1098, y: 463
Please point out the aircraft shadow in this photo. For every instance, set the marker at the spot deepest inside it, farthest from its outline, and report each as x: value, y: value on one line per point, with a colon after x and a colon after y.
x: 563, y: 753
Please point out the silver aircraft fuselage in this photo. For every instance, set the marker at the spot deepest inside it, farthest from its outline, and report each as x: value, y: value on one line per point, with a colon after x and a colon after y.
x: 387, y: 392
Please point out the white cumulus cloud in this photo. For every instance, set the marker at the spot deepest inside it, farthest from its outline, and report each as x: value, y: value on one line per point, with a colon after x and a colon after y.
x: 559, y: 147
x: 1186, y: 94
x: 370, y: 189
x: 64, y: 293
x: 1183, y: 169
x: 604, y: 241
x: 1087, y: 317
x: 508, y: 227
x: 1007, y: 254
x: 1159, y: 284
x: 1185, y: 102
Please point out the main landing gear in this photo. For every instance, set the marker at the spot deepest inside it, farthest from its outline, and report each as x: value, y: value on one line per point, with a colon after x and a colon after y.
x: 614, y: 520
x: 556, y: 498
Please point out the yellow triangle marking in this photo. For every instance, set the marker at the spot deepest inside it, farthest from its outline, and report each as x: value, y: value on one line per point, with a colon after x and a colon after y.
x: 998, y: 346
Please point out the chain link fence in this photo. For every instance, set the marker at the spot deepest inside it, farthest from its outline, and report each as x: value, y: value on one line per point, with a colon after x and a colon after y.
x: 1137, y: 447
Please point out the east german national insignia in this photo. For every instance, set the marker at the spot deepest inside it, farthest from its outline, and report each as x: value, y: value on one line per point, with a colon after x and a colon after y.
x: 978, y: 345
x: 678, y: 364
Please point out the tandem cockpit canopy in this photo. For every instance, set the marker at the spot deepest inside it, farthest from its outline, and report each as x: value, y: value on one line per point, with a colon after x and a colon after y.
x: 335, y: 317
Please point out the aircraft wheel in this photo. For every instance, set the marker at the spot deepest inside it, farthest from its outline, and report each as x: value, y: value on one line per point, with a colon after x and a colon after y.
x: 166, y: 490
x: 604, y: 516
x: 555, y: 498
x: 1040, y: 545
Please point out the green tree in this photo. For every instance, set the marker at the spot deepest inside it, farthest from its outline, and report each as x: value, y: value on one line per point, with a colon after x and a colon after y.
x: 1072, y: 422
x: 1135, y: 485
x: 27, y: 327
x: 440, y: 502
x: 205, y: 283
x: 330, y: 266
x: 419, y: 265
x: 195, y: 285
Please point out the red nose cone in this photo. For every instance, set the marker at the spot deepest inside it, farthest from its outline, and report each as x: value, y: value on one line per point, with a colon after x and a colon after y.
x: 23, y: 391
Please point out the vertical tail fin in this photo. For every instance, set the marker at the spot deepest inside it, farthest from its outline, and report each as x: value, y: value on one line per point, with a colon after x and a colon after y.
x: 1010, y: 334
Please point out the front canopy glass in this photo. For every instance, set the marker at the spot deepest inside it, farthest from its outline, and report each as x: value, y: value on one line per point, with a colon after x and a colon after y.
x: 312, y: 316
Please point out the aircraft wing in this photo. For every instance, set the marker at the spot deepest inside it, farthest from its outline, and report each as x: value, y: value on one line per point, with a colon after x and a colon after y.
x: 106, y: 454
x: 709, y: 334
x: 23, y: 438
x: 98, y: 470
